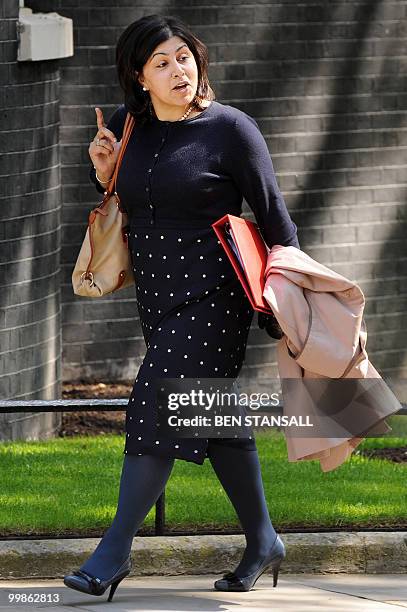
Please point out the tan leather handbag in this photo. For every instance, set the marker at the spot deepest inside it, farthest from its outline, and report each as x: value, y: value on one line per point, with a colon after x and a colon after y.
x: 104, y: 263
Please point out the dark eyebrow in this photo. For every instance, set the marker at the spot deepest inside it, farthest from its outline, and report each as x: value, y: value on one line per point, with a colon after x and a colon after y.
x: 163, y: 53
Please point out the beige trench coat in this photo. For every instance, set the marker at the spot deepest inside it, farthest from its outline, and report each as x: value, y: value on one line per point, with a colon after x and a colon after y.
x: 321, y: 315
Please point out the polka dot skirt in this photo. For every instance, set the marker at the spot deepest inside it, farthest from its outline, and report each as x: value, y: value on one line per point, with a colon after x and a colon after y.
x: 195, y: 319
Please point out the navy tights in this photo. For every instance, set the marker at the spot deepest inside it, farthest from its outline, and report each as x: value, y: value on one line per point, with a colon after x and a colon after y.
x: 143, y: 479
x: 239, y: 472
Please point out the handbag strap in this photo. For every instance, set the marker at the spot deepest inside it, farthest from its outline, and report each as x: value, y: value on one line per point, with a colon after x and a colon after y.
x: 128, y: 127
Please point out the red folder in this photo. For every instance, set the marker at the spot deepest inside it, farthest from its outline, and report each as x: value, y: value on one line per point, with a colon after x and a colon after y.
x: 247, y: 252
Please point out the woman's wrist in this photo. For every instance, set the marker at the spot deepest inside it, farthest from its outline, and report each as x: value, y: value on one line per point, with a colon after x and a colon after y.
x: 103, y: 180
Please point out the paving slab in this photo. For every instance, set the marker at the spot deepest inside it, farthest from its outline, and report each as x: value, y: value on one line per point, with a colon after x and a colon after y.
x: 186, y: 593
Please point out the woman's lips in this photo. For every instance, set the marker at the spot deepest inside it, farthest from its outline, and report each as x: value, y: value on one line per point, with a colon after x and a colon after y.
x: 181, y: 89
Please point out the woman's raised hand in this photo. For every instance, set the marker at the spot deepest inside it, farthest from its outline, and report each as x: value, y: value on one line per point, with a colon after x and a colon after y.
x: 104, y: 155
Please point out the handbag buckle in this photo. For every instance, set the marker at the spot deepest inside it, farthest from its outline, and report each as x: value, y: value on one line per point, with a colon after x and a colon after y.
x: 87, y: 275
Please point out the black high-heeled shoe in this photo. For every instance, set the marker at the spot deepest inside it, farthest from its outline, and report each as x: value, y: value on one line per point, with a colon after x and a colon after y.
x: 232, y: 582
x: 86, y: 583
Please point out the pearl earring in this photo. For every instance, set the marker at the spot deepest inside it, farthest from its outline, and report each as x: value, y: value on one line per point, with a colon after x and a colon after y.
x: 144, y: 89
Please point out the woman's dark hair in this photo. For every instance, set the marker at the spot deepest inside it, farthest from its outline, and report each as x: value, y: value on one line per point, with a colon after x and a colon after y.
x: 135, y: 46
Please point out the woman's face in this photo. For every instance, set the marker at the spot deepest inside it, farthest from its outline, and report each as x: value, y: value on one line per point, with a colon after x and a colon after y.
x: 170, y: 63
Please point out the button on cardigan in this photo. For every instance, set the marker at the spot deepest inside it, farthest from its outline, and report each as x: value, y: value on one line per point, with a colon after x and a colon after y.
x: 177, y: 178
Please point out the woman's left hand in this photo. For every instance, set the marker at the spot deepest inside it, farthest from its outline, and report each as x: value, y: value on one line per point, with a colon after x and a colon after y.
x: 270, y: 324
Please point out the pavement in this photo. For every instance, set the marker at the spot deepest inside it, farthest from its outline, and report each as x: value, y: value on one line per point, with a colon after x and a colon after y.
x: 293, y: 593
x: 331, y: 571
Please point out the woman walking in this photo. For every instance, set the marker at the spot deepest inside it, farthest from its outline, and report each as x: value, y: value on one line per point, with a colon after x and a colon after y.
x: 189, y: 161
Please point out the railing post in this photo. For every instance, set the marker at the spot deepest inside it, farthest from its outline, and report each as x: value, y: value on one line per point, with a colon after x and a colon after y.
x: 160, y: 514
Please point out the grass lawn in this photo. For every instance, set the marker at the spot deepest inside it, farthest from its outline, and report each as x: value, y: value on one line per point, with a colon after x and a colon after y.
x: 70, y: 485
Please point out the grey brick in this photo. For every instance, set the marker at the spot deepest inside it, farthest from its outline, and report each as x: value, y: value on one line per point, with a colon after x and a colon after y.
x: 332, y: 128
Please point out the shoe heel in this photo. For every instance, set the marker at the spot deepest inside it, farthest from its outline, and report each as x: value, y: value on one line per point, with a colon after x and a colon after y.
x: 113, y: 589
x: 275, y: 574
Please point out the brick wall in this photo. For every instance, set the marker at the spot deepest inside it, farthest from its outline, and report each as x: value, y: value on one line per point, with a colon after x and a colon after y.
x: 30, y: 195
x: 325, y: 82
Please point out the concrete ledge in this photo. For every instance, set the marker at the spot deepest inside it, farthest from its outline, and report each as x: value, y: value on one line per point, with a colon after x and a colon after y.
x: 352, y: 553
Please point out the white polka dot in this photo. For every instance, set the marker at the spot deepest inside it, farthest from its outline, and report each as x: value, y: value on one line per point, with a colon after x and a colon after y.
x: 139, y: 438
x: 176, y: 446
x: 157, y: 442
x: 185, y: 356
